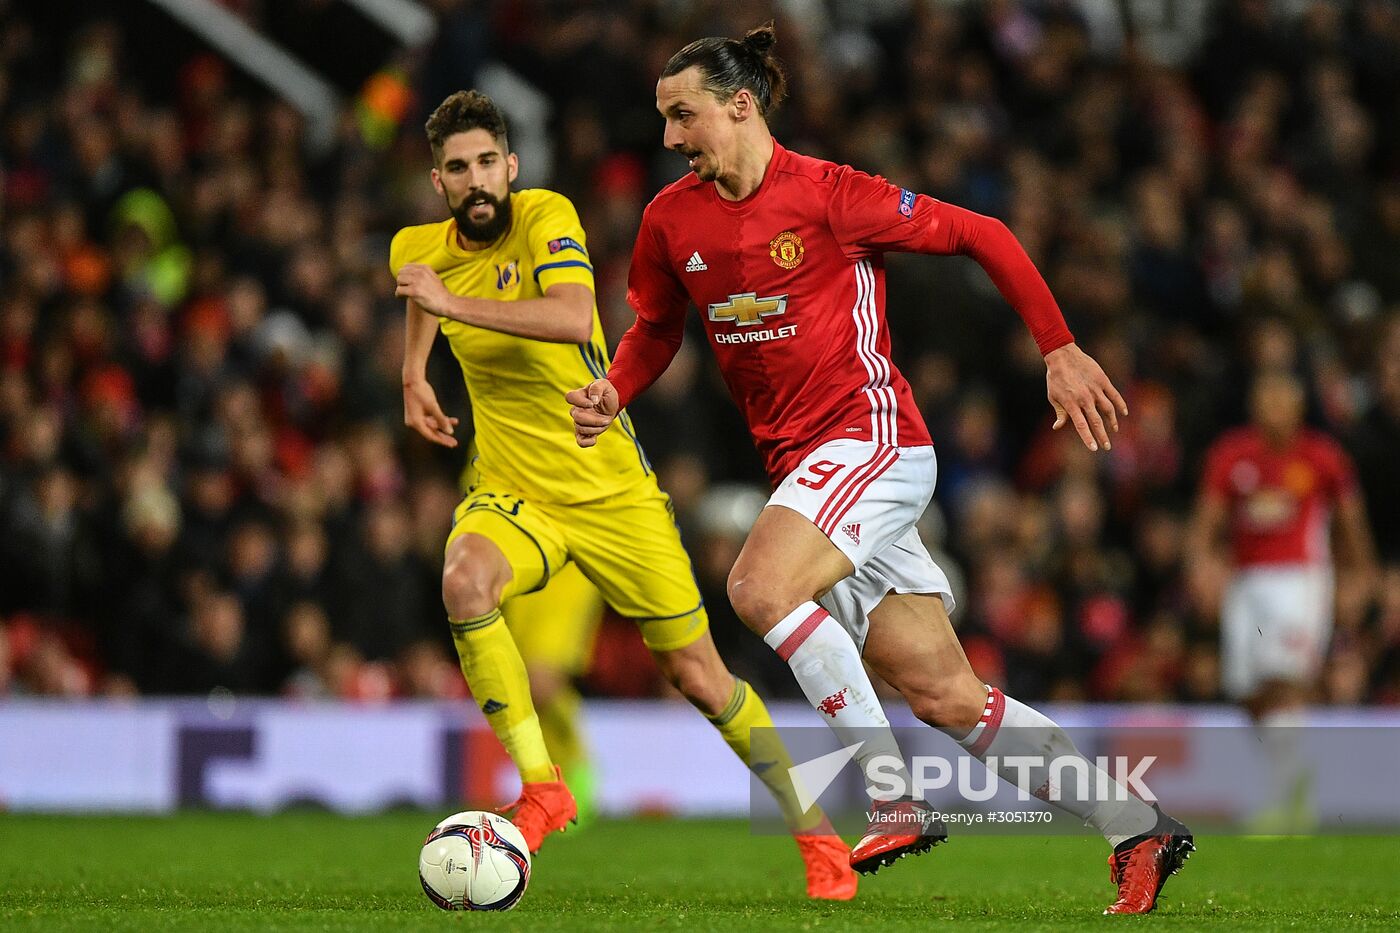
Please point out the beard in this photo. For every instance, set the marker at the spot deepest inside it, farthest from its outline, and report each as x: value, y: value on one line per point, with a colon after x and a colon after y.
x: 484, y: 231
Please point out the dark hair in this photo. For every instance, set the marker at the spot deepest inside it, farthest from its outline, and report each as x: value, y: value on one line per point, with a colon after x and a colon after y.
x: 728, y: 66
x: 463, y: 111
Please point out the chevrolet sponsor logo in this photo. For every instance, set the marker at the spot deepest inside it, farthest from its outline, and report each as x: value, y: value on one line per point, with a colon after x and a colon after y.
x: 748, y: 308
x: 757, y: 336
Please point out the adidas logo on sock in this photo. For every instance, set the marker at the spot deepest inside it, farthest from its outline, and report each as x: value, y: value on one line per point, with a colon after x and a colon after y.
x: 492, y: 706
x: 853, y: 531
x: 695, y: 263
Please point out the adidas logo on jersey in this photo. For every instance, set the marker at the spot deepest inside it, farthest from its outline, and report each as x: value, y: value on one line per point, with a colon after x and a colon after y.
x: 695, y: 263
x: 853, y: 531
x: 493, y: 706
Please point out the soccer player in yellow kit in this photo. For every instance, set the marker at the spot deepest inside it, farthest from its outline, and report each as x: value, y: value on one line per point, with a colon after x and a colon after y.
x: 508, y: 280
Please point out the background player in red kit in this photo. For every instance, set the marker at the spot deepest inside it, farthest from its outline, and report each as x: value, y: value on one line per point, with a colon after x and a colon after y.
x: 1275, y: 486
x: 782, y: 254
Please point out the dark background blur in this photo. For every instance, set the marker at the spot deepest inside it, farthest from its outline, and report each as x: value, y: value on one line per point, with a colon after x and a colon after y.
x: 204, y: 477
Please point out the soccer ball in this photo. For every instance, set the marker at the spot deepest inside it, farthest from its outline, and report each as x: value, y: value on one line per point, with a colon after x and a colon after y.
x: 474, y: 861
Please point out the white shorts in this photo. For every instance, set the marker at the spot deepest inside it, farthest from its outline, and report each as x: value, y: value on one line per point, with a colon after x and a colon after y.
x: 866, y: 498
x: 1275, y: 624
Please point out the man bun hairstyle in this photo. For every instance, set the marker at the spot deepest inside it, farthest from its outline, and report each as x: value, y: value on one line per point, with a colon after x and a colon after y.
x: 728, y: 66
x: 463, y: 111
x: 761, y: 38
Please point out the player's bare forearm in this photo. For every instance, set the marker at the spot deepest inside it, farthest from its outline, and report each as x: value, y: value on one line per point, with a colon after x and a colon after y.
x: 1201, y: 558
x: 1357, y: 573
x: 1206, y: 528
x: 1354, y: 536
x: 421, y: 410
x: 563, y: 315
x: 420, y: 330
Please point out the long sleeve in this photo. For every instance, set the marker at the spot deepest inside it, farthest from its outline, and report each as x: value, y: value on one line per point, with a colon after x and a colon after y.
x: 660, y: 302
x: 643, y: 355
x: 868, y: 214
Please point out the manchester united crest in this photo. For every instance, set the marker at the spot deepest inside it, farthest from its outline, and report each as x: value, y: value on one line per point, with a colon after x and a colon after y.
x: 835, y: 702
x: 786, y: 249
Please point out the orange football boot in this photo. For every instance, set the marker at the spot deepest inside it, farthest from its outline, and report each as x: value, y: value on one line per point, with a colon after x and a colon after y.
x: 829, y: 875
x: 544, y: 807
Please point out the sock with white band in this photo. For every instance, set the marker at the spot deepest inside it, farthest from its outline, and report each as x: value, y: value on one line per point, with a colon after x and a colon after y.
x: 824, y: 659
x: 1009, y: 729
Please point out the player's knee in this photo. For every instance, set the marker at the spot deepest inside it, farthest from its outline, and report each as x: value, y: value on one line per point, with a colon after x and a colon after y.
x: 467, y: 592
x: 956, y: 706
x: 760, y: 602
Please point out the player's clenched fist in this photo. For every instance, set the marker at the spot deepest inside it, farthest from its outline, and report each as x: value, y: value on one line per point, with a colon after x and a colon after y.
x: 594, y: 408
x: 421, y: 283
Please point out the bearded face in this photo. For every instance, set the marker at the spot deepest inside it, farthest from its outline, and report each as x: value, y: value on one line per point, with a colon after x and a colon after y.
x: 473, y: 174
x: 482, y: 215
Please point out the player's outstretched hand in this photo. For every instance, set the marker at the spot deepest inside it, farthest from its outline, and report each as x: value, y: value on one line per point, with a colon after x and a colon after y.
x: 1081, y: 393
x: 593, y: 408
x: 421, y: 284
x: 422, y: 413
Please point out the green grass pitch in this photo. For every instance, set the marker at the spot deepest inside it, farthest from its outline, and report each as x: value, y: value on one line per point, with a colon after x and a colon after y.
x: 314, y: 871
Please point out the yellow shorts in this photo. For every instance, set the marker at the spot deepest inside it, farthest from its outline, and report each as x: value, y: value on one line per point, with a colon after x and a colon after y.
x: 626, y: 545
x: 556, y: 626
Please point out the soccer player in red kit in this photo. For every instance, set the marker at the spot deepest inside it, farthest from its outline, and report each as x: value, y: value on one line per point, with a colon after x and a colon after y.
x: 783, y: 255
x: 1277, y: 488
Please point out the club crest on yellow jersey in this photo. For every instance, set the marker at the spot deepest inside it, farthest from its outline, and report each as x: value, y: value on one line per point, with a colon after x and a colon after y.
x: 507, y: 275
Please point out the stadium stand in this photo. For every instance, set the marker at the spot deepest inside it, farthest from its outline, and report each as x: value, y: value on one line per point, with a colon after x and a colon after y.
x: 204, y: 478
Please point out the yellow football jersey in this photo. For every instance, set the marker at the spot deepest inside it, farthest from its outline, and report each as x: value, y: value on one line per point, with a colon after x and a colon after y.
x: 517, y: 385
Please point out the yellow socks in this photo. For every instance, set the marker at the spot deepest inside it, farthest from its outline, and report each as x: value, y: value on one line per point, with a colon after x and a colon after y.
x: 496, y: 675
x: 763, y: 752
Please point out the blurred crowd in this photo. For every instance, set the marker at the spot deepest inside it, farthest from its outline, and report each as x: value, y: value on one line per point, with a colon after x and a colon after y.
x: 204, y: 477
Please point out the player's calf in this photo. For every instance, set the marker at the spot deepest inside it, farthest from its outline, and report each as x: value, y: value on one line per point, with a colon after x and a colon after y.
x: 952, y: 703
x: 699, y: 674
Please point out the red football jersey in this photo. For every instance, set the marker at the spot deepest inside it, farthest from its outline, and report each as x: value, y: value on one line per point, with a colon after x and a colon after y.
x: 1280, y: 500
x: 790, y: 284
